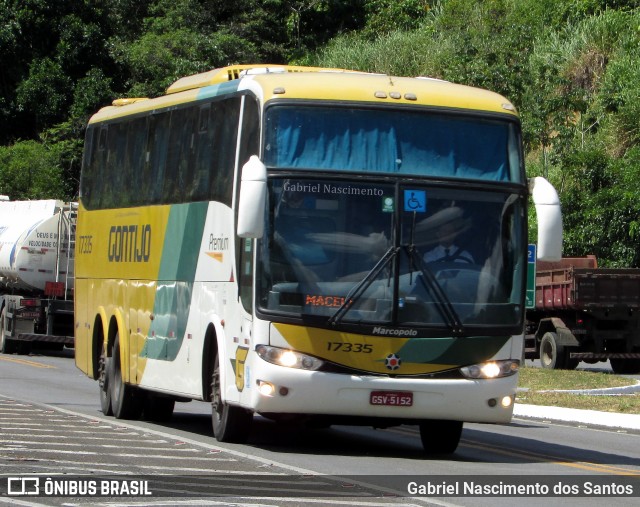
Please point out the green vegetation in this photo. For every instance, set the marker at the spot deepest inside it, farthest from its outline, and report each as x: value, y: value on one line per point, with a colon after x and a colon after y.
x: 571, y: 67
x: 623, y: 404
x: 541, y: 379
x: 544, y: 387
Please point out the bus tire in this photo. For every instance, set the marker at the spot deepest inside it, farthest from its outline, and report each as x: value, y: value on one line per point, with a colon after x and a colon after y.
x: 440, y: 437
x: 552, y: 354
x: 125, y: 400
x: 158, y: 408
x: 105, y: 374
x: 623, y: 366
x: 230, y: 424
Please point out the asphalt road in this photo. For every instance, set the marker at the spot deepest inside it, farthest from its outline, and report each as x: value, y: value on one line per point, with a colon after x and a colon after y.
x: 50, y: 423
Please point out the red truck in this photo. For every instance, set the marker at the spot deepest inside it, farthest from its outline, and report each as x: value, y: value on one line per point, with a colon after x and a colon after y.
x: 584, y: 313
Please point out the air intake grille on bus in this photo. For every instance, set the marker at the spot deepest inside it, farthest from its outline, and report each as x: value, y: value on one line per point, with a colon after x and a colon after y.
x: 225, y: 74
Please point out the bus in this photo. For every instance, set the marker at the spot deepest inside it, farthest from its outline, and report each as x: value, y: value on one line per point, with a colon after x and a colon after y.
x: 259, y: 238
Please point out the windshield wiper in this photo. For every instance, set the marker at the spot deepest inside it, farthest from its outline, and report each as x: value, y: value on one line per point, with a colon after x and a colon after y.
x: 360, y: 288
x: 443, y: 304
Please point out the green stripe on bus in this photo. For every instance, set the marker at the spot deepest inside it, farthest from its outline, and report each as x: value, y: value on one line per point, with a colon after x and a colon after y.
x: 182, y: 241
x: 460, y: 351
x: 173, y: 298
x: 171, y: 312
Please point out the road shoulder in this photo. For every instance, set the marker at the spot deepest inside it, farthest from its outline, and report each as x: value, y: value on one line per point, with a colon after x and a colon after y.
x: 594, y: 418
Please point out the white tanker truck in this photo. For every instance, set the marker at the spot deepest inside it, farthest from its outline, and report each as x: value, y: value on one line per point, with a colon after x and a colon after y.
x: 37, y: 241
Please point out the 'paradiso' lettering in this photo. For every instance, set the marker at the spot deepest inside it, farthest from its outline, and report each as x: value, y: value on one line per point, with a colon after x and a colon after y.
x: 130, y: 243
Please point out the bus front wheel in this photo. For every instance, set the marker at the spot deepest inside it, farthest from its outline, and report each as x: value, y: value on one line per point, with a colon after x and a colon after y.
x: 440, y: 437
x: 624, y: 366
x: 125, y: 400
x: 230, y: 424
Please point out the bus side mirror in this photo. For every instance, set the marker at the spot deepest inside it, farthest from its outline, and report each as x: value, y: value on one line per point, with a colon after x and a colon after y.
x: 253, y: 196
x: 547, y: 203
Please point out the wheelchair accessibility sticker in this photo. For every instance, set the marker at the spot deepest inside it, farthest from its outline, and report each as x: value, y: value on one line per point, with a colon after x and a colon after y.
x: 415, y: 200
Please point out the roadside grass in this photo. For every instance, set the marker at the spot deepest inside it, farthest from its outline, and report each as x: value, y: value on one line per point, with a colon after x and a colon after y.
x: 540, y: 379
x: 543, y: 387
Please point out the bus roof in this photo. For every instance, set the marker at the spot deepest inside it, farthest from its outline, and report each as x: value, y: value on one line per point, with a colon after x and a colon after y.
x: 217, y: 76
x: 292, y: 82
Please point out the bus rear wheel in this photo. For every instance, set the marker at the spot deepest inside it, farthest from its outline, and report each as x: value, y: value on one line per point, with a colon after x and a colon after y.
x: 125, y: 400
x: 104, y: 379
x: 230, y: 424
x: 440, y: 437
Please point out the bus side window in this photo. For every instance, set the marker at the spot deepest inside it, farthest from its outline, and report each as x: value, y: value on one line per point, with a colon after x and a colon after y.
x: 225, y: 116
x: 248, y: 147
x: 88, y: 181
x: 157, y: 152
x: 135, y: 181
x: 179, y: 157
x: 95, y: 184
x: 250, y: 141
x: 114, y: 166
x: 203, y: 153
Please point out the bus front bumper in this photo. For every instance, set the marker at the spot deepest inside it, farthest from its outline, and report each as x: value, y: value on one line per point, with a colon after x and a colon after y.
x: 278, y: 390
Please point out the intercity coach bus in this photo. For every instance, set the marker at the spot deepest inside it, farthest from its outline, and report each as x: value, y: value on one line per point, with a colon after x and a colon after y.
x: 262, y: 238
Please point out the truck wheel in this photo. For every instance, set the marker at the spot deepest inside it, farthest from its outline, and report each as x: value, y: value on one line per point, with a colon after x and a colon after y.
x: 23, y: 348
x: 6, y: 345
x: 552, y: 354
x: 623, y: 366
x: 125, y: 399
x: 105, y: 373
x: 440, y: 437
x: 230, y: 424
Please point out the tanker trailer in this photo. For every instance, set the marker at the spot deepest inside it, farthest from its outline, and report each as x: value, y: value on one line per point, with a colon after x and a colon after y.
x: 37, y: 241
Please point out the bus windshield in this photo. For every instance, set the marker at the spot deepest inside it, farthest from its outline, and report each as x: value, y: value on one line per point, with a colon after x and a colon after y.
x: 405, y: 142
x: 392, y: 253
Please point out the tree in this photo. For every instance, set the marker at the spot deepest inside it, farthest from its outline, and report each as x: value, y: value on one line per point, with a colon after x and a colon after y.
x: 45, y: 93
x: 30, y: 170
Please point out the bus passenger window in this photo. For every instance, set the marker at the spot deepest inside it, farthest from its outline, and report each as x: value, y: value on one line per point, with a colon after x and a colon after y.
x: 158, y: 153
x: 225, y: 118
x: 180, y: 143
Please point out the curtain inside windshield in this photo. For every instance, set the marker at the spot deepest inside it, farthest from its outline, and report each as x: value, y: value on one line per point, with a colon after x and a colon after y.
x: 391, y: 142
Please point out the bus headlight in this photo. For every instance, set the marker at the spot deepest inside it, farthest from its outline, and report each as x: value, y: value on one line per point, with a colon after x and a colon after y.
x: 288, y: 358
x: 491, y: 369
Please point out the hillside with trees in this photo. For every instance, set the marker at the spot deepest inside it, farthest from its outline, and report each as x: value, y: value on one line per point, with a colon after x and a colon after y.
x: 571, y: 67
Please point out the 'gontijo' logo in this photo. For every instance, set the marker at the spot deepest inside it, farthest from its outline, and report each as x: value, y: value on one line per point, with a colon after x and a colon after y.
x: 130, y: 243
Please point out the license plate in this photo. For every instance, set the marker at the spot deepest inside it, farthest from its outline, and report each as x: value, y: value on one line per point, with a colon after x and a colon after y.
x: 29, y: 315
x: 391, y: 398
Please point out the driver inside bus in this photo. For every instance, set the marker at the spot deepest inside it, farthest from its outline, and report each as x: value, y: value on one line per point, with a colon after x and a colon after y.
x: 447, y: 232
